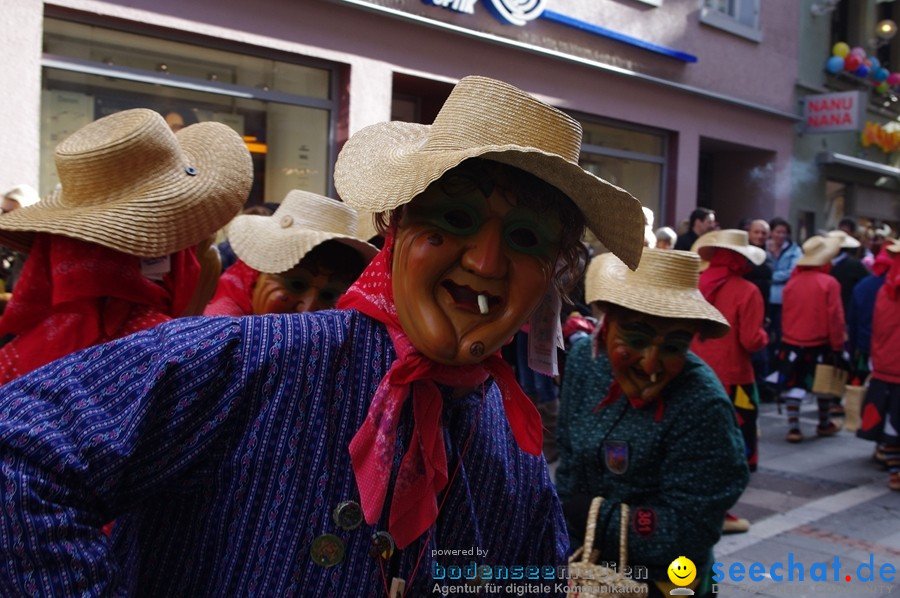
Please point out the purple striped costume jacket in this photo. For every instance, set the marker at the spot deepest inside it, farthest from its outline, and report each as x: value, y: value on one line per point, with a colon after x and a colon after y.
x: 219, y: 446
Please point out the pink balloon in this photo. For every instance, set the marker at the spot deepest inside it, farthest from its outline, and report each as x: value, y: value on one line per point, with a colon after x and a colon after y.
x: 893, y: 79
x: 858, y: 51
x: 852, y: 62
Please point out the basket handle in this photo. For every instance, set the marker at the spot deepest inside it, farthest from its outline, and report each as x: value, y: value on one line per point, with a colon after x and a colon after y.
x: 591, y: 531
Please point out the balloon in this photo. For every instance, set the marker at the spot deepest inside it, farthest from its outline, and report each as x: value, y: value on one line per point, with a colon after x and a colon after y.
x: 880, y: 74
x: 852, y: 62
x: 874, y: 62
x: 835, y: 64
x: 861, y: 71
x: 840, y: 49
x: 858, y: 51
x: 882, y: 87
x: 893, y: 79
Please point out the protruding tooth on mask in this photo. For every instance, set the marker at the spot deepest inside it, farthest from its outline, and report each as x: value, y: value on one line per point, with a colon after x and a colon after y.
x: 653, y: 378
x: 482, y: 303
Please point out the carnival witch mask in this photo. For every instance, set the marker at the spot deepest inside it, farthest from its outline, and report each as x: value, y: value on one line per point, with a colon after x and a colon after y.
x: 473, y: 257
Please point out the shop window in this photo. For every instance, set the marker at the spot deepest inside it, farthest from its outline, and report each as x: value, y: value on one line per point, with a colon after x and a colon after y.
x: 283, y: 110
x: 631, y: 158
x: 739, y: 17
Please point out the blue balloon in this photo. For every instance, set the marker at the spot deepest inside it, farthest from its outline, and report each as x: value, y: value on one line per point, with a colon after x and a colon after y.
x: 881, y: 74
x: 861, y: 71
x: 874, y: 63
x: 835, y: 64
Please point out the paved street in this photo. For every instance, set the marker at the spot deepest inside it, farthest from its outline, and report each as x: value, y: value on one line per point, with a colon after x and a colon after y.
x: 817, y: 500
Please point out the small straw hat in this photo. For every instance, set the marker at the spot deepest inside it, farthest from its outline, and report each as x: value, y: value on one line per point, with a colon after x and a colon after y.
x: 731, y: 238
x: 388, y: 164
x: 819, y: 250
x: 664, y: 285
x: 304, y: 220
x: 129, y: 183
x: 24, y: 195
x: 847, y: 242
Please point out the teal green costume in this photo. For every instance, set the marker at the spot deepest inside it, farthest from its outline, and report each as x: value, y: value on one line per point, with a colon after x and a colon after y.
x: 679, y: 475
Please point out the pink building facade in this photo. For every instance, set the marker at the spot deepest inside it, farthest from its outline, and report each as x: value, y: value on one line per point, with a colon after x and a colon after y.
x: 683, y: 102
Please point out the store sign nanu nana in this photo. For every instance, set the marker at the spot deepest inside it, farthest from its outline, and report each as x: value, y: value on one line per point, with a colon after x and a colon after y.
x: 511, y: 12
x: 830, y: 112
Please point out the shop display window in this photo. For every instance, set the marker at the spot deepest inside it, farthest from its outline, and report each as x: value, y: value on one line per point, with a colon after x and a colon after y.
x: 283, y: 110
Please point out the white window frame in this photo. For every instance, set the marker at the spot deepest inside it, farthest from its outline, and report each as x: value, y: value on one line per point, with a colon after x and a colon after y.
x: 738, y: 17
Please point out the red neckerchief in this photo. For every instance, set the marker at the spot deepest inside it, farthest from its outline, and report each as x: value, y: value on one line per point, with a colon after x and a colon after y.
x: 74, y: 294
x: 723, y: 264
x: 615, y: 389
x: 423, y: 469
x: 234, y: 292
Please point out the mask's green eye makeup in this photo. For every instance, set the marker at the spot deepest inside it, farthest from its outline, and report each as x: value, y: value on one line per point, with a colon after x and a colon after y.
x: 522, y: 238
x: 525, y: 231
x: 295, y: 285
x: 452, y: 215
x: 639, y: 336
x: 636, y: 340
x: 460, y: 221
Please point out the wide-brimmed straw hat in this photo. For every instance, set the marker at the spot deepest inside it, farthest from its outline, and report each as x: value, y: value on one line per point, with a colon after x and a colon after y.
x: 388, y: 164
x: 893, y: 246
x: 847, y: 241
x: 664, y: 285
x: 129, y: 183
x: 304, y: 220
x: 24, y: 195
x: 732, y: 239
x: 819, y: 250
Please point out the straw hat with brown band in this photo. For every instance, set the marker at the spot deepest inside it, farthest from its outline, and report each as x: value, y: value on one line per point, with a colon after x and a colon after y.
x: 304, y: 220
x: 732, y: 239
x: 388, y: 164
x: 664, y: 285
x: 129, y: 183
x: 847, y: 241
x: 819, y: 250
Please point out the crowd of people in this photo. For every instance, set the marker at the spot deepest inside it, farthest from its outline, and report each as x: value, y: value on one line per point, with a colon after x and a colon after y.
x: 353, y: 397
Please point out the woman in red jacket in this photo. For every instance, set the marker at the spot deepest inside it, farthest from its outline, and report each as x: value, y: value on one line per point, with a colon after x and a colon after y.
x: 813, y: 331
x: 730, y: 256
x: 881, y: 408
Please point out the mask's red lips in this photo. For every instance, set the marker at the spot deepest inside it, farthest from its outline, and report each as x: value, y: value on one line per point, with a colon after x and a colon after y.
x: 467, y: 298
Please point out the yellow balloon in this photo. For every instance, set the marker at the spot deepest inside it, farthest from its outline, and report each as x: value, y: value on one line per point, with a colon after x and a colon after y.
x: 840, y: 49
x: 682, y: 571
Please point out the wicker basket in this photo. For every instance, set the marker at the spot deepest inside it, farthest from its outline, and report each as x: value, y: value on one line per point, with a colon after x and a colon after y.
x: 829, y: 381
x: 592, y: 579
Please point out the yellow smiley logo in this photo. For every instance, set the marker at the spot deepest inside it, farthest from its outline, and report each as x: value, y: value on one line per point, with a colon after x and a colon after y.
x: 682, y: 571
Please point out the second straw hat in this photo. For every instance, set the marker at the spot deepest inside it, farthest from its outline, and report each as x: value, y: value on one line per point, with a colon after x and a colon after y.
x: 664, y: 285
x: 129, y: 183
x: 277, y: 243
x: 819, y: 250
x: 731, y: 238
x: 847, y: 241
